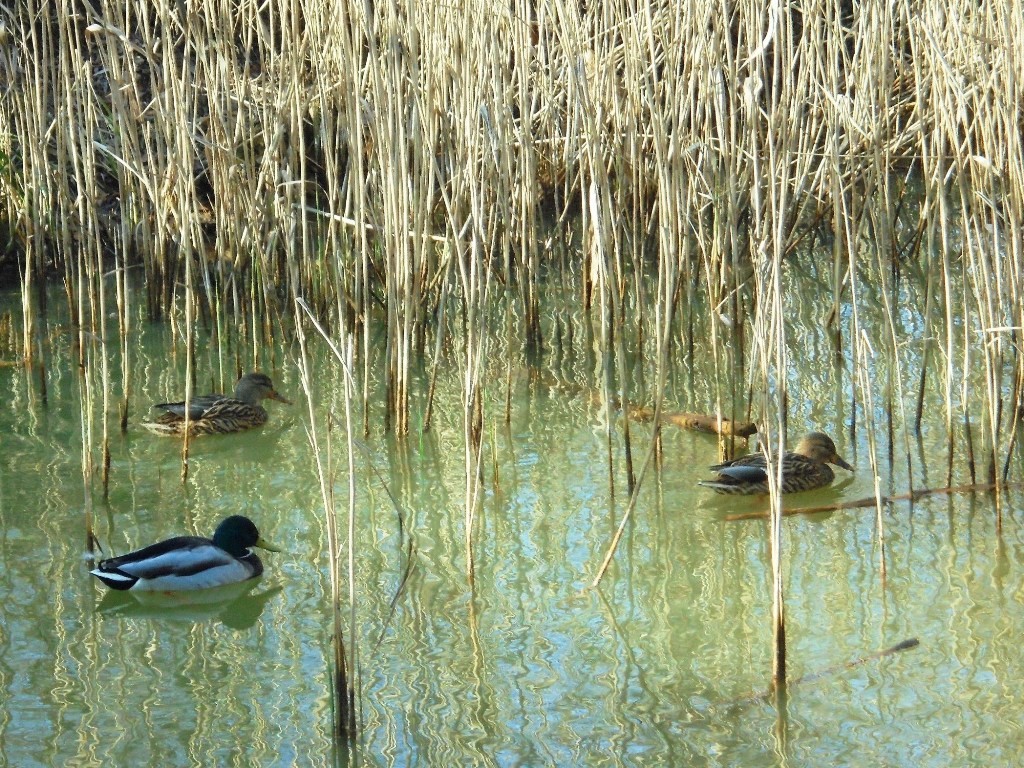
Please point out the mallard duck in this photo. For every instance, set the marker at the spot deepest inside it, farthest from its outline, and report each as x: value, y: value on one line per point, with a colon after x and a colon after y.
x: 189, y: 562
x: 219, y: 414
x: 804, y: 468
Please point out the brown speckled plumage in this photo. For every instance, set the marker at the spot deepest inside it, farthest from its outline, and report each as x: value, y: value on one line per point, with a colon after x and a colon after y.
x: 219, y: 414
x: 804, y: 468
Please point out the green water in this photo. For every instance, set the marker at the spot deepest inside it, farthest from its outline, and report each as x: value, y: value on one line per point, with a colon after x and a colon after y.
x: 659, y: 666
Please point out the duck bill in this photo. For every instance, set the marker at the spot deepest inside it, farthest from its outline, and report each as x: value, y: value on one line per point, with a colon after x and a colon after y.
x: 262, y: 544
x: 838, y: 461
x: 279, y: 397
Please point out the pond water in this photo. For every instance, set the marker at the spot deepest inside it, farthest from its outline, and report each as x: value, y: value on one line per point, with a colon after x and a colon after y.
x: 663, y: 664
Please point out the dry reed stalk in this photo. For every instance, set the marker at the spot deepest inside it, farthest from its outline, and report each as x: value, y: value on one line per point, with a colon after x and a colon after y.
x: 86, y: 411
x: 344, y: 684
x: 122, y: 295
x: 99, y: 282
x: 476, y: 290
x: 863, y: 369
x: 599, y: 268
x: 190, y: 373
x: 864, y: 358
x: 344, y: 664
x: 769, y: 194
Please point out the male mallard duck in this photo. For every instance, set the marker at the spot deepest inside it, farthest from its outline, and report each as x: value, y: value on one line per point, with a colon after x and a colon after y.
x: 219, y: 414
x: 189, y: 562
x: 804, y: 468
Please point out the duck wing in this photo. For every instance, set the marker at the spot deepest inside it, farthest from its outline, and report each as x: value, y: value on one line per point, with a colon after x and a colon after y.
x: 744, y: 473
x: 231, y: 415
x: 197, y: 407
x: 750, y: 460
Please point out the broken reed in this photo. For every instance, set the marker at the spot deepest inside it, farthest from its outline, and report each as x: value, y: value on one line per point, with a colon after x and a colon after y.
x: 344, y: 663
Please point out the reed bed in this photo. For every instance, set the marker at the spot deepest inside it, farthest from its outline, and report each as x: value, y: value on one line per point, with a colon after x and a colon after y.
x: 421, y: 175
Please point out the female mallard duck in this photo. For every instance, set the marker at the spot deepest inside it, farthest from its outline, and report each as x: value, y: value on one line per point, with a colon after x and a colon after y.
x: 189, y: 562
x: 219, y: 414
x: 804, y: 468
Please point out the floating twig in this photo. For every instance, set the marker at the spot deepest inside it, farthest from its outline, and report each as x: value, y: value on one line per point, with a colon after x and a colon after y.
x: 870, y: 501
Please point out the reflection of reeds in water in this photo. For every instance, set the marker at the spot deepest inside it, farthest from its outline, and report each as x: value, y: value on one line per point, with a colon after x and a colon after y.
x: 407, y: 174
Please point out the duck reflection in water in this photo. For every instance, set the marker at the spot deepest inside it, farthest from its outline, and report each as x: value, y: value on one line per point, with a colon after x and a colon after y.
x: 237, y: 606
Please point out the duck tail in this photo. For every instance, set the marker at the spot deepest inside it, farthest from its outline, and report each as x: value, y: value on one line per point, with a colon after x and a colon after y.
x: 115, y: 579
x: 717, y: 486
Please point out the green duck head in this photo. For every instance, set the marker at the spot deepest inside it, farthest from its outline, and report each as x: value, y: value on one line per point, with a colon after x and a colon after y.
x: 237, y: 533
